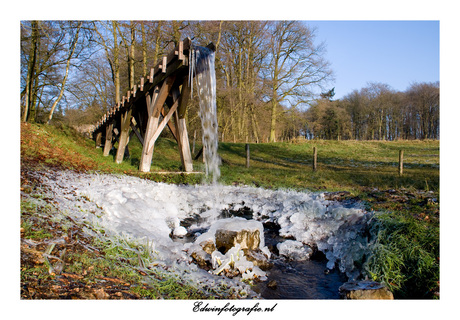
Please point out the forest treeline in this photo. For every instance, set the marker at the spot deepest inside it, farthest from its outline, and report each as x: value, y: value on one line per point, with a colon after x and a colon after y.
x: 273, y: 81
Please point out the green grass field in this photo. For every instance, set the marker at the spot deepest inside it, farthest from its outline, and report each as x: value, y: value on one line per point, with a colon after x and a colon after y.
x: 406, y: 224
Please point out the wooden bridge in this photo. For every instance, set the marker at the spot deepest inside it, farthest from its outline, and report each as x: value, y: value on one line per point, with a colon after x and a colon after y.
x: 162, y: 95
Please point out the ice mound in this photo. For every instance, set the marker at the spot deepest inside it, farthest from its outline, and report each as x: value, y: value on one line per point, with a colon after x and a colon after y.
x: 294, y: 250
x: 134, y: 208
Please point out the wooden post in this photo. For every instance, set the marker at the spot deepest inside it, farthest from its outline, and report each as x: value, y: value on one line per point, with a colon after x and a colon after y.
x: 401, y: 160
x: 108, y: 139
x: 98, y: 139
x: 247, y: 155
x: 123, y: 140
x: 315, y: 157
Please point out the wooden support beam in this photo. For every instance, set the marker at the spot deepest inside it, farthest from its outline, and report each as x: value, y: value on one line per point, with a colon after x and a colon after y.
x: 154, y: 108
x: 182, y: 134
x: 200, y: 152
x: 170, y: 124
x: 151, y: 100
x: 108, y: 139
x: 138, y: 134
x: 162, y: 125
x: 123, y: 140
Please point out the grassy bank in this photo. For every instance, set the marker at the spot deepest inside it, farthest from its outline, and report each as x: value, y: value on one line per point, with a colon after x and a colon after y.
x: 405, y: 229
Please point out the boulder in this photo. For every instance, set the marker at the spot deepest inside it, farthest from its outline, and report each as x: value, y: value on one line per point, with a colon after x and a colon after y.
x: 231, y: 247
x: 247, y: 239
x: 365, y: 290
x: 259, y: 259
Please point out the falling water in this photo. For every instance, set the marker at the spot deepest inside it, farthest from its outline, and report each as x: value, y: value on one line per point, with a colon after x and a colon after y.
x: 202, y: 66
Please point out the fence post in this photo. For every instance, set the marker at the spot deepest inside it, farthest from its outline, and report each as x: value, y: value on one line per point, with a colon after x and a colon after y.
x: 247, y: 155
x: 315, y: 156
x: 401, y: 162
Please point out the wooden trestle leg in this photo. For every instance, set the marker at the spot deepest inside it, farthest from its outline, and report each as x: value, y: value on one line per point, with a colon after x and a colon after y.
x: 98, y: 139
x: 124, y: 134
x: 181, y: 128
x: 154, y: 105
x: 108, y: 139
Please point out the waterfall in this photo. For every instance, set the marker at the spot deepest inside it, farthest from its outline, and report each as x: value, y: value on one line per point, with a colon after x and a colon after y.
x: 202, y: 67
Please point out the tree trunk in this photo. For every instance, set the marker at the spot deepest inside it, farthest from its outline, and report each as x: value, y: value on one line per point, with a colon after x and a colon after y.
x: 144, y: 50
x: 131, y: 56
x: 30, y: 71
x: 116, y: 62
x: 273, y: 119
x: 67, y: 67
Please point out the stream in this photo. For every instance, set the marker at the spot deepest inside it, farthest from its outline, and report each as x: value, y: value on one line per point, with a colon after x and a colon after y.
x: 301, y: 280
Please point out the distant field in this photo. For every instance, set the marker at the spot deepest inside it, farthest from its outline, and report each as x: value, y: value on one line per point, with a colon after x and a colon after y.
x: 342, y: 165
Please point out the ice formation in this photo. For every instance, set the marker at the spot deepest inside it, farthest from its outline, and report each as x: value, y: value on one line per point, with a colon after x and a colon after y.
x: 294, y: 250
x: 150, y: 212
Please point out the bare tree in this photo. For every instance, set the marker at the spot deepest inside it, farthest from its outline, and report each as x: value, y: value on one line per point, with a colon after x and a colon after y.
x: 296, y: 66
x: 72, y: 46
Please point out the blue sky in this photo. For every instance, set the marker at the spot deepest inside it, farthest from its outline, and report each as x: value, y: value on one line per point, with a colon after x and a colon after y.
x: 396, y: 53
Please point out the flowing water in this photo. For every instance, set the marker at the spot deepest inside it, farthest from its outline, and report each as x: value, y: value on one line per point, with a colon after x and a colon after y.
x: 203, y: 67
x: 306, y: 279
x: 301, y: 280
